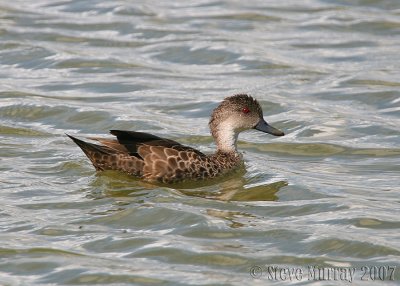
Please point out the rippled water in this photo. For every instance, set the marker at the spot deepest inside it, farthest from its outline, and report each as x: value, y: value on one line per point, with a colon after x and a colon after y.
x: 324, y: 195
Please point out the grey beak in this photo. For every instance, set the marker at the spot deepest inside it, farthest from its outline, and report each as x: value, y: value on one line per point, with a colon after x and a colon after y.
x: 263, y: 126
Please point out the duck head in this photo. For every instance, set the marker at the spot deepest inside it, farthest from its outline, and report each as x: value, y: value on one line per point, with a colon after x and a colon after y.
x: 235, y: 114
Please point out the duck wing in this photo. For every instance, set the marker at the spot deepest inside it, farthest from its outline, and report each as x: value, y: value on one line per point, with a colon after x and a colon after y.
x: 130, y: 141
x: 165, y: 160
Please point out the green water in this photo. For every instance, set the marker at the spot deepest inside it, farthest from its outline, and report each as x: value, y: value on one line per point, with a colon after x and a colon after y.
x: 326, y: 195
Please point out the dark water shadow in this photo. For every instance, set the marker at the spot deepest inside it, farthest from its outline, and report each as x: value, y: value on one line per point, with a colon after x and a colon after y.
x: 116, y: 184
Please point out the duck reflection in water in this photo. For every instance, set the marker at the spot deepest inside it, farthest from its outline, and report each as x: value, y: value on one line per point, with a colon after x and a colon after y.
x: 233, y: 187
x: 127, y: 190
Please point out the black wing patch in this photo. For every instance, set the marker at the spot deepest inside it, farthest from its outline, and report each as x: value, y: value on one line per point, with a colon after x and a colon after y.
x: 131, y: 140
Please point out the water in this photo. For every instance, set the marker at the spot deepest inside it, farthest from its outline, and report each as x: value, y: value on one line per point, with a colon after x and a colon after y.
x: 324, y: 195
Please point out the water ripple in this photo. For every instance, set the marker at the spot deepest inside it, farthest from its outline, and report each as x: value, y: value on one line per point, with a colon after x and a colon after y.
x: 326, y: 194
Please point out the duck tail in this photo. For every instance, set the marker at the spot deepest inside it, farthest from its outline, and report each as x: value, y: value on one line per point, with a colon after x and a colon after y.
x: 94, y: 152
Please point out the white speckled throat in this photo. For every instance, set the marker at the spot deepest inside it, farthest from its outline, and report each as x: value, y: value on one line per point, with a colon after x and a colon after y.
x: 226, y: 136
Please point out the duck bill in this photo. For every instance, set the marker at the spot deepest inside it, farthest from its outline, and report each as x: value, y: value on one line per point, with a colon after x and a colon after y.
x: 263, y: 126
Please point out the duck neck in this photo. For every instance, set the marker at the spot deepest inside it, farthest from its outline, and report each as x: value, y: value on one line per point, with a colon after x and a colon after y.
x: 225, y: 137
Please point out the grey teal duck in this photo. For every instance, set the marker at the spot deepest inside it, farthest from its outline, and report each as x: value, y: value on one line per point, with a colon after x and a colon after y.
x: 156, y: 159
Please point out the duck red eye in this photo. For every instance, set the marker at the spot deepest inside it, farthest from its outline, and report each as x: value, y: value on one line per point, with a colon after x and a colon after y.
x: 245, y: 110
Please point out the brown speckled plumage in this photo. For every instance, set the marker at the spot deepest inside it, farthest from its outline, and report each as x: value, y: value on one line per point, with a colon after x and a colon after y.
x: 156, y: 159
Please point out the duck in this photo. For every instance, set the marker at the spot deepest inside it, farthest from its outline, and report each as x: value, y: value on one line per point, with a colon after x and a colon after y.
x: 160, y: 160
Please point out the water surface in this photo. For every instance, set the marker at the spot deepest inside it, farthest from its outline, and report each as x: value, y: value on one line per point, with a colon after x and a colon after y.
x: 325, y: 195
